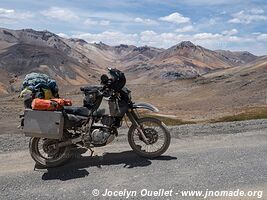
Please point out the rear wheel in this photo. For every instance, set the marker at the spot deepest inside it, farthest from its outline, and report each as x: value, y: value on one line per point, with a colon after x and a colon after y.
x: 157, y: 134
x: 46, y: 153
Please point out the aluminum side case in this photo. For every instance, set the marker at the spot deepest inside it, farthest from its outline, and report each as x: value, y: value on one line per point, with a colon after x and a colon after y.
x: 43, y: 124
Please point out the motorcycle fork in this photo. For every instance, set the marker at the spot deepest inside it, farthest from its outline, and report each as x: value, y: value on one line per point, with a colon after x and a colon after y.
x: 133, y: 117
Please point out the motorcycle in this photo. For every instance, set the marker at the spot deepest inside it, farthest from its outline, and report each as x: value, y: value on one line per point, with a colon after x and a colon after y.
x: 95, y: 124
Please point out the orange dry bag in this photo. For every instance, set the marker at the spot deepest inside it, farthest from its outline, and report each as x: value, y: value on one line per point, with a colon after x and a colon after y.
x: 52, y: 104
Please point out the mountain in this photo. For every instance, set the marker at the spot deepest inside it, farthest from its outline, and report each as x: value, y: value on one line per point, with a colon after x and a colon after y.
x: 220, y: 93
x: 26, y: 50
x: 74, y: 61
x: 238, y: 57
x: 187, y: 60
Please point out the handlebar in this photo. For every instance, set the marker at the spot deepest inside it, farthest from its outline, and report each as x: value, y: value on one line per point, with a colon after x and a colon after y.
x: 100, y: 89
x: 92, y: 88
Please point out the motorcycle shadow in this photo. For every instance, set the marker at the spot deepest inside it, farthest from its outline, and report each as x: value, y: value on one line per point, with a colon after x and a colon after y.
x: 76, y: 167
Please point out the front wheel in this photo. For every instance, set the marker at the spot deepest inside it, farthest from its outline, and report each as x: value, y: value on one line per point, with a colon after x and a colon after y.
x: 45, y: 153
x: 157, y: 134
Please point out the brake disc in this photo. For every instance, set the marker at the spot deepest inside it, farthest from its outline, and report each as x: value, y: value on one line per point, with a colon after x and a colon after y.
x: 50, y: 147
x: 151, y: 135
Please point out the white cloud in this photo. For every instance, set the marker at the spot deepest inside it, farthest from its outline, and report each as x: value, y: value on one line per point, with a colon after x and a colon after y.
x: 90, y: 22
x: 257, y: 11
x: 206, y: 36
x: 62, y: 14
x: 104, y: 22
x: 212, y: 21
x: 109, y: 37
x: 262, y: 37
x: 256, y: 33
x: 167, y: 39
x: 11, y: 16
x: 218, y: 38
x: 112, y: 16
x: 145, y: 21
x: 209, y: 2
x: 230, y: 32
x: 176, y: 18
x: 6, y: 12
x: 149, y: 38
x: 247, y: 17
x: 184, y: 29
x: 163, y: 40
x: 208, y: 40
x: 63, y: 35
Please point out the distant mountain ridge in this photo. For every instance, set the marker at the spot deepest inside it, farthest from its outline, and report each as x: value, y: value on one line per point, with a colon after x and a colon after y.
x: 74, y: 61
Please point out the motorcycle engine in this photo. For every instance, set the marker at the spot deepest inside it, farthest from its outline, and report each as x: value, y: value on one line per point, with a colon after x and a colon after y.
x: 102, y: 136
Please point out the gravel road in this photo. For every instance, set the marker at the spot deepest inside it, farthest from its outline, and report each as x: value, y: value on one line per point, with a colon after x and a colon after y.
x: 221, y: 156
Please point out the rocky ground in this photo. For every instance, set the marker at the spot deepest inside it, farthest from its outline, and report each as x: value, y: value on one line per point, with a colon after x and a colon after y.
x: 14, y: 142
x: 221, y: 156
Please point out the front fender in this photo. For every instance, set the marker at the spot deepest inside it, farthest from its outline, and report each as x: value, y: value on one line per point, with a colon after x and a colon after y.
x: 145, y: 106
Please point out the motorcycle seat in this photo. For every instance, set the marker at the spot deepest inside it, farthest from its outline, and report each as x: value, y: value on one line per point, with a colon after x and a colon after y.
x: 82, y: 111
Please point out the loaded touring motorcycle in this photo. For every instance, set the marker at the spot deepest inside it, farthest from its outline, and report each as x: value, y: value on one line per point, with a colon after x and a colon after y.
x: 54, y: 133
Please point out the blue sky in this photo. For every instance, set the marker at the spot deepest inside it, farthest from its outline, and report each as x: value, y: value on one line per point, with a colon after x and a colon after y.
x: 214, y: 24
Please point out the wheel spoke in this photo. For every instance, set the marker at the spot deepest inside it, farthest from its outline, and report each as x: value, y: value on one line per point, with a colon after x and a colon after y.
x: 45, y: 152
x: 155, y: 135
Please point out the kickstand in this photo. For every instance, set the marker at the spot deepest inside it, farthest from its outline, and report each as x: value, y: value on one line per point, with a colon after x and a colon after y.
x: 38, y: 168
x: 92, y: 151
